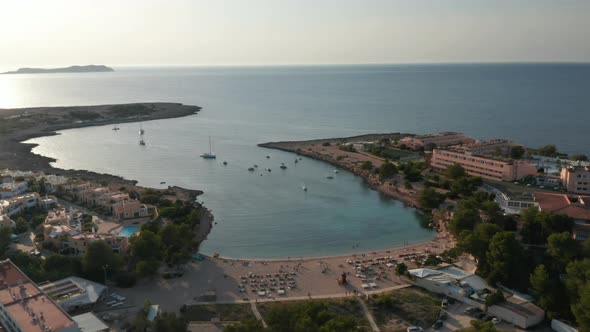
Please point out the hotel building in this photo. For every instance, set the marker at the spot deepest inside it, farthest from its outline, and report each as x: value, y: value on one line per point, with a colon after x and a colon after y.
x: 484, y: 167
x: 576, y: 179
x: 440, y: 139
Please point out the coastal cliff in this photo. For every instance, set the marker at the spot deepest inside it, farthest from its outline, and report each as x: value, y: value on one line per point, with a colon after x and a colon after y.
x: 70, y: 69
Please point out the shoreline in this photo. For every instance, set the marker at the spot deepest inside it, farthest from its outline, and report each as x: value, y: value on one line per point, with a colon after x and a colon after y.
x: 309, y: 148
x: 18, y: 125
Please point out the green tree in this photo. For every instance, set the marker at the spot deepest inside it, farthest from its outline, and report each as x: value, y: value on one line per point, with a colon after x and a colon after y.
x: 548, y: 150
x: 455, y: 171
x: 464, y: 219
x: 495, y: 298
x: 147, y: 268
x: 250, y: 325
x: 387, y: 170
x: 146, y: 246
x: 581, y: 309
x: 21, y: 225
x: 430, y: 198
x: 580, y: 157
x: 505, y: 261
x: 98, y: 255
x: 541, y: 285
x: 367, y: 165
x: 169, y: 322
x: 5, y: 239
x: 477, y: 242
x: 578, y: 275
x: 516, y: 152
x: 562, y: 247
x: 401, y: 269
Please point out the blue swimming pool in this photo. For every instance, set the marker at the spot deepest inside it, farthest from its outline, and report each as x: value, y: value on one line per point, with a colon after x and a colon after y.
x: 127, y: 231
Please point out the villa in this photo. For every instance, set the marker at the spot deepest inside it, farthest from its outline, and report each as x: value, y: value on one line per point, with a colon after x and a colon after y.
x: 11, y: 189
x: 488, y: 168
x: 491, y: 147
x: 17, y: 204
x: 119, y: 204
x: 5, y: 221
x: 436, y: 140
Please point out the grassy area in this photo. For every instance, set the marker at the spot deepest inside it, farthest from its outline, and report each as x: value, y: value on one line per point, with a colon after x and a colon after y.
x: 397, y: 310
x: 225, y: 312
x: 338, y: 306
x: 392, y: 153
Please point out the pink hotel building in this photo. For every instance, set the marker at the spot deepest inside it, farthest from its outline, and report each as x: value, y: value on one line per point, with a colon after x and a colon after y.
x: 486, y: 168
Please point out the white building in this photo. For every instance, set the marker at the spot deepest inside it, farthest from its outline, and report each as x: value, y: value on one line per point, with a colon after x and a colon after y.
x: 469, y: 288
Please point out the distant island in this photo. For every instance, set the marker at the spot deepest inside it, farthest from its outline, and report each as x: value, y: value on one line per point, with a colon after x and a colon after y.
x: 70, y: 69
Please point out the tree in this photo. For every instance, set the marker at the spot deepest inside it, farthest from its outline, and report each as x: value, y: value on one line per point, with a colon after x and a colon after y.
x: 387, y: 170
x: 581, y: 309
x: 401, y: 269
x: 98, y: 255
x: 464, y: 219
x: 5, y: 238
x: 146, y: 246
x: 169, y: 322
x: 579, y: 157
x: 147, y: 268
x: 367, y: 165
x: 430, y: 198
x: 505, y: 261
x: 548, y: 150
x: 21, y: 225
x: 578, y: 275
x: 495, y: 298
x: 541, y: 286
x: 562, y: 247
x: 516, y: 152
x: 250, y: 325
x: 455, y: 171
x: 477, y: 242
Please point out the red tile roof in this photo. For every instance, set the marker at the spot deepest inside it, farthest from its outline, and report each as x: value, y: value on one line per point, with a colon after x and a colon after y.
x: 575, y: 206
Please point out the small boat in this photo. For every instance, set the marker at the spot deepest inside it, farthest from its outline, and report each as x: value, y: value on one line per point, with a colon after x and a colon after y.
x: 141, y: 142
x: 335, y: 171
x: 163, y: 182
x: 304, y: 188
x: 225, y: 163
x: 255, y: 166
x: 210, y: 154
x: 251, y: 169
x: 329, y: 177
x: 141, y: 131
x: 268, y: 169
x: 267, y: 157
x: 116, y: 128
x: 296, y: 161
x: 283, y: 166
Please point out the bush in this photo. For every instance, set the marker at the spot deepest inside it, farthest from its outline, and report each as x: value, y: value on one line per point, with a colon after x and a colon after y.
x: 367, y: 165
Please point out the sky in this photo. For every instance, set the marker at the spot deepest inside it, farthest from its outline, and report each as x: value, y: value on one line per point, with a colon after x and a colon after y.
x: 272, y: 32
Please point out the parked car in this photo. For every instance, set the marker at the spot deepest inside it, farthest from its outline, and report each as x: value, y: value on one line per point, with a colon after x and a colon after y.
x: 414, y: 329
x: 496, y: 320
x: 444, y: 304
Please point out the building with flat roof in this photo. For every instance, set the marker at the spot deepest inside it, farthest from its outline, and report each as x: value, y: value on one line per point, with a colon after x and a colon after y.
x: 576, y: 179
x: 74, y: 293
x: 574, y: 206
x: 437, y: 140
x: 26, y: 308
x: 471, y: 289
x: 88, y: 322
x: 484, y: 167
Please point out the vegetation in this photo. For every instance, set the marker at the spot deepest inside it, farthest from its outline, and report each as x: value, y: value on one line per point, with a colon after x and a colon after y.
x: 430, y: 199
x: 516, y: 152
x: 130, y: 110
x: 412, y: 170
x: 100, y: 256
x: 579, y: 157
x: 387, y: 170
x: 413, y: 305
x: 480, y: 326
x: 5, y: 239
x: 226, y: 312
x: 367, y: 165
x: 53, y: 268
x: 84, y: 115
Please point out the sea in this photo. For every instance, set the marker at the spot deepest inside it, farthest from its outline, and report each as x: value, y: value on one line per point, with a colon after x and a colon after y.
x: 265, y: 214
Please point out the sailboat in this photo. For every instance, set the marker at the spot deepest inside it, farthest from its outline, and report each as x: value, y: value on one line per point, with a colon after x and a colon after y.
x: 141, y: 142
x: 141, y: 131
x: 116, y: 128
x: 209, y: 155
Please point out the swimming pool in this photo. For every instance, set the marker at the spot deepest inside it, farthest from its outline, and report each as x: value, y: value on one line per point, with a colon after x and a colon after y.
x: 127, y: 231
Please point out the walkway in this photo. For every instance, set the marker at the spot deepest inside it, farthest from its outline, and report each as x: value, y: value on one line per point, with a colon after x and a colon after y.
x: 257, y: 313
x: 368, y: 315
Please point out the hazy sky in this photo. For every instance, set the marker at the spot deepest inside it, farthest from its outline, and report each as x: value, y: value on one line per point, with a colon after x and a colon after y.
x: 233, y: 32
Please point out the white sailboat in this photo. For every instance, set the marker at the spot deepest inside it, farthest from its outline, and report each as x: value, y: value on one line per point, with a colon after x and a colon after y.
x: 141, y: 131
x: 210, y: 154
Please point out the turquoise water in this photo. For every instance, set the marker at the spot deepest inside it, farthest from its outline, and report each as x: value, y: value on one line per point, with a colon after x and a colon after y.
x: 127, y: 231
x: 269, y: 215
